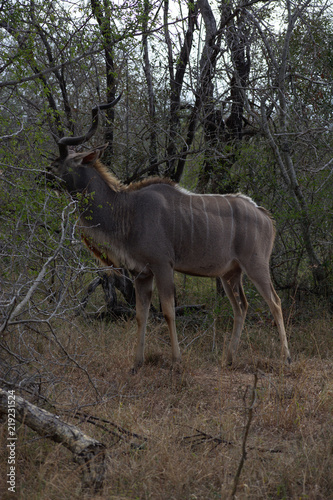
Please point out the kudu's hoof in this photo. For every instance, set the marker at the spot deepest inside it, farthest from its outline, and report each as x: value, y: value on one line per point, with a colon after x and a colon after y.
x: 177, y: 366
x: 228, y: 361
x: 135, y: 369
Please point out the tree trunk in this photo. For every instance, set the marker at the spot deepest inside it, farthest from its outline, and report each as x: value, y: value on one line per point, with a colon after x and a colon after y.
x: 220, y: 136
x: 176, y: 76
x: 282, y: 150
x: 102, y: 15
x: 151, y: 95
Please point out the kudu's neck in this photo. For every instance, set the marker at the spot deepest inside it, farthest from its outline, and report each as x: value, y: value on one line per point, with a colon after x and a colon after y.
x: 101, y: 205
x: 85, y: 180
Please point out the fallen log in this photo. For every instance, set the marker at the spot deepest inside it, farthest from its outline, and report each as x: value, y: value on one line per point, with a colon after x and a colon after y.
x: 88, y: 452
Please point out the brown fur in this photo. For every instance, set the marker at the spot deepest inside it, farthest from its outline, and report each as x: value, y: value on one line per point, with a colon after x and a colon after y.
x: 106, y: 175
x: 118, y: 186
x: 134, y: 186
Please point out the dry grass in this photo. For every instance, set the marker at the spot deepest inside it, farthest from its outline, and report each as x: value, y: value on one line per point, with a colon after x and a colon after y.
x: 189, y: 422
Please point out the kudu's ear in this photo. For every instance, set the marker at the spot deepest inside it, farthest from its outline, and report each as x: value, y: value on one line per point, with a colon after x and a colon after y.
x: 90, y: 157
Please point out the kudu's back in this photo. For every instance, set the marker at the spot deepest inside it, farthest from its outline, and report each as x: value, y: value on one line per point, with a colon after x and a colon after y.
x: 202, y: 234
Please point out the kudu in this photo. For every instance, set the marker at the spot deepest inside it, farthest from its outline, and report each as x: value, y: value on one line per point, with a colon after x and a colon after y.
x: 154, y: 228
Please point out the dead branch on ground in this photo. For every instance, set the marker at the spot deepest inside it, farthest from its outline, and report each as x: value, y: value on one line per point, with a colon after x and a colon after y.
x: 246, y: 434
x: 88, y: 452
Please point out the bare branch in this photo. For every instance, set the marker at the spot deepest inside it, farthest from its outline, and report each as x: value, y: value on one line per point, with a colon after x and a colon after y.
x: 246, y: 434
x: 18, y: 309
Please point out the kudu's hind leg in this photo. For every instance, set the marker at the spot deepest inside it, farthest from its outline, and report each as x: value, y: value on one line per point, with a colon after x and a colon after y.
x: 263, y: 283
x: 143, y: 292
x: 232, y: 284
x: 165, y: 285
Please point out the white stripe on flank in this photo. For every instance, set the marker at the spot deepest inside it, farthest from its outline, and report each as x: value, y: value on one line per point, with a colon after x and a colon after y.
x: 254, y: 233
x: 207, y: 219
x: 245, y: 225
x: 192, y: 221
x: 180, y: 219
x: 232, y: 230
x: 219, y: 213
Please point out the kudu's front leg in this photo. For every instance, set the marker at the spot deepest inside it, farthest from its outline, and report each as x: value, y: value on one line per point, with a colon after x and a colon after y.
x: 143, y: 292
x: 166, y: 289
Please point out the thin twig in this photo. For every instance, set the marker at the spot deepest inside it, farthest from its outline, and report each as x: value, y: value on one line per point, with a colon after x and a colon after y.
x: 246, y: 433
x: 20, y: 306
x: 98, y: 422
